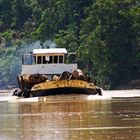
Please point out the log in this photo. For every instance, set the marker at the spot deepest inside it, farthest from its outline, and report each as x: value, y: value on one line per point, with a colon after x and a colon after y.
x: 34, y: 78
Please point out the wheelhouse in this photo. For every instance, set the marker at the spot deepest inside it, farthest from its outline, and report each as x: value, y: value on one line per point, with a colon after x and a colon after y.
x: 45, y: 56
x: 46, y: 61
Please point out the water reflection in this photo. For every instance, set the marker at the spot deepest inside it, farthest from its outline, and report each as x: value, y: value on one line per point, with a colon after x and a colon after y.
x: 71, y: 118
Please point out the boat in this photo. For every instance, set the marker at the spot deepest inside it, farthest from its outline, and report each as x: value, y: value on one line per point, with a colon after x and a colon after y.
x: 45, y: 71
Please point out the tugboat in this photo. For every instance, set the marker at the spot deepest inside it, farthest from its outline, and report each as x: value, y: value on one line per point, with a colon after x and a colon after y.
x: 46, y: 72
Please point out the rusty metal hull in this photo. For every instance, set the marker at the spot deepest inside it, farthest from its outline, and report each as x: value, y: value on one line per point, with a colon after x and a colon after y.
x: 67, y: 90
x: 64, y: 87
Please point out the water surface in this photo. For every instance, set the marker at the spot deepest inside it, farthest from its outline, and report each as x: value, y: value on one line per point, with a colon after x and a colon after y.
x: 71, y: 117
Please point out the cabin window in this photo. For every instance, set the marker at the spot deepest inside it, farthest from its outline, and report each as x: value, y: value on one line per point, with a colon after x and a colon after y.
x: 27, y: 59
x: 34, y: 57
x: 39, y: 60
x: 50, y: 59
x: 60, y: 59
x: 55, y: 59
x: 45, y: 59
x: 71, y: 58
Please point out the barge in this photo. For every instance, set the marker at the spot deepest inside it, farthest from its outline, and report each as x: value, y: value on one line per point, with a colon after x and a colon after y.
x: 47, y: 72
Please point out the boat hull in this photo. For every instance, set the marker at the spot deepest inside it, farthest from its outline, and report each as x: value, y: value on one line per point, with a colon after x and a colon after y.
x: 64, y: 87
x: 64, y: 90
x: 57, y: 87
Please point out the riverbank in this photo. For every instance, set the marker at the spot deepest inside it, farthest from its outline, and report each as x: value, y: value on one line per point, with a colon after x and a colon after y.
x: 133, y: 84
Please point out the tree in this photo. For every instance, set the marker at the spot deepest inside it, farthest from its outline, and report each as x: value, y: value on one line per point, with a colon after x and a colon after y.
x: 112, y: 37
x: 104, y: 33
x: 5, y: 14
x: 21, y: 13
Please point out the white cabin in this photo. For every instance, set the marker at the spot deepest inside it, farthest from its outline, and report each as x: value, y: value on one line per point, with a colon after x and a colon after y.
x: 47, y: 61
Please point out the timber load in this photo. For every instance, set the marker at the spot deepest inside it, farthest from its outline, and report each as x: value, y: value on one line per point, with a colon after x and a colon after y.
x: 34, y: 78
x: 40, y: 85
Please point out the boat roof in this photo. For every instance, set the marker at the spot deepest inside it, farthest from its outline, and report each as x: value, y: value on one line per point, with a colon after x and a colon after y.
x: 50, y: 51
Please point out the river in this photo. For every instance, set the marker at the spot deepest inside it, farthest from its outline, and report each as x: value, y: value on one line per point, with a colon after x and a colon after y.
x: 113, y: 116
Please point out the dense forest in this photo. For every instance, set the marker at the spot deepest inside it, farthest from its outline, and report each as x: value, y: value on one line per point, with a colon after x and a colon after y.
x: 105, y: 34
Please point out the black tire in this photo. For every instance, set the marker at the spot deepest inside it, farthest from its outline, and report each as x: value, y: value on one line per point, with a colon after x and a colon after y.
x: 99, y: 91
x: 26, y: 94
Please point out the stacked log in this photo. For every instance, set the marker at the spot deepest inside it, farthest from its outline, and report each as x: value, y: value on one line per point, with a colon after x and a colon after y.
x: 65, y: 75
x: 39, y: 78
x: 78, y: 74
x: 34, y: 78
x: 56, y: 78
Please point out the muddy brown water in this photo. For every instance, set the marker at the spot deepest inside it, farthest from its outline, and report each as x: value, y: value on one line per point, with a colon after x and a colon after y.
x: 71, y: 117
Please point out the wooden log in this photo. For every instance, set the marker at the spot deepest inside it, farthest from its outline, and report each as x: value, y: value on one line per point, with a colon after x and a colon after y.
x: 34, y: 78
x: 78, y: 74
x: 65, y: 75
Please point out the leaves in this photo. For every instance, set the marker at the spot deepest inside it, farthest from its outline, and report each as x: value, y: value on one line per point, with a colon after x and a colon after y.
x: 105, y: 34
x: 112, y: 39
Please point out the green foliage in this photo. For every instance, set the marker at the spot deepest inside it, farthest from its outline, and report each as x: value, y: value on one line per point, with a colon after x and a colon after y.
x: 112, y: 39
x: 9, y: 66
x: 104, y: 33
x: 67, y: 38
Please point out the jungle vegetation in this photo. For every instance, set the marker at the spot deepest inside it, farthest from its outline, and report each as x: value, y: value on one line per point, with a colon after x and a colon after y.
x: 105, y: 34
